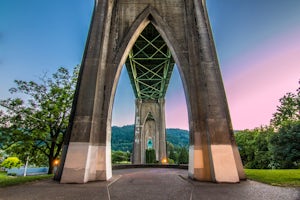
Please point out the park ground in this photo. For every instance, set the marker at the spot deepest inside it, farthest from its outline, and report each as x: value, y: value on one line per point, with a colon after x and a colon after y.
x: 283, y: 177
x: 149, y: 183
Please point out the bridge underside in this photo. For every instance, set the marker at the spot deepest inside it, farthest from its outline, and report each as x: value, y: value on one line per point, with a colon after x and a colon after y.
x: 114, y: 34
x: 149, y: 65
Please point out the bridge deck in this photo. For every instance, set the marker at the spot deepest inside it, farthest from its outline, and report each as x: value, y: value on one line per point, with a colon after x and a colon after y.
x: 150, y: 65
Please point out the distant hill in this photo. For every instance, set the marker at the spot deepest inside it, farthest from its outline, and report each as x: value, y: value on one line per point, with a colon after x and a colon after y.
x: 122, y: 137
x: 178, y: 137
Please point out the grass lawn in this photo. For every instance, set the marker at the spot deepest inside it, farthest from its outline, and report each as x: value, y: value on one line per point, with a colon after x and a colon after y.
x: 14, y: 180
x: 278, y: 177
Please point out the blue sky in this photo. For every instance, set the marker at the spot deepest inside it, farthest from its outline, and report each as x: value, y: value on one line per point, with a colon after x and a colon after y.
x: 257, y: 42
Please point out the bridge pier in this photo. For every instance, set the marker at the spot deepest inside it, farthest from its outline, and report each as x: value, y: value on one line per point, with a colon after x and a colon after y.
x: 184, y: 27
x: 150, y: 130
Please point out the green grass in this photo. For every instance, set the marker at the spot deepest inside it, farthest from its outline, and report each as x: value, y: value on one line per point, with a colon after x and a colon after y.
x: 278, y: 177
x: 15, y: 180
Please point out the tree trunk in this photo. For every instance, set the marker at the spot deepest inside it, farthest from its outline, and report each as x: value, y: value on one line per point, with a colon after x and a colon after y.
x: 50, y: 163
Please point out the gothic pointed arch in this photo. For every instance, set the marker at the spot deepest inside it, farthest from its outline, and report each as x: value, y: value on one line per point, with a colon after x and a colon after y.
x: 150, y: 15
x: 184, y: 26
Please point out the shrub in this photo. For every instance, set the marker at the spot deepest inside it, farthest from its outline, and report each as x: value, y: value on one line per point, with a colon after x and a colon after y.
x: 11, y: 162
x: 120, y: 157
x: 171, y: 161
x: 150, y: 156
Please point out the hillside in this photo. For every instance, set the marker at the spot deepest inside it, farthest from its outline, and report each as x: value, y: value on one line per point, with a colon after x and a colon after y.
x: 122, y: 137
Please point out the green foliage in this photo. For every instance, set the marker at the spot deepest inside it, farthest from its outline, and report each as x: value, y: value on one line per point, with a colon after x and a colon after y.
x: 11, y: 162
x: 246, y: 145
x: 171, y: 152
x: 254, y: 147
x: 183, y: 157
x: 262, y: 153
x: 288, y: 111
x: 9, y: 181
x: 122, y: 138
x: 11, y: 174
x: 265, y: 148
x: 35, y: 123
x: 276, y: 177
x: 277, y: 145
x: 171, y: 161
x: 285, y: 146
x: 2, y: 155
x: 177, y: 137
x: 150, y: 156
x: 120, y: 157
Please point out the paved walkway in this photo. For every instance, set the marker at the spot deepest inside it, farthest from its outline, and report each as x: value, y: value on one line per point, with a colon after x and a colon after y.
x: 146, y: 184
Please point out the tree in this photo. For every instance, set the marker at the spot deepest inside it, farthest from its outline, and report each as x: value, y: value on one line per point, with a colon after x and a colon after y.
x: 120, y: 156
x: 183, y: 157
x: 11, y: 162
x: 34, y: 124
x: 285, y: 142
x: 171, y: 152
x: 254, y: 147
x: 285, y: 146
x: 262, y: 154
x: 150, y: 156
x: 277, y: 145
x: 288, y: 110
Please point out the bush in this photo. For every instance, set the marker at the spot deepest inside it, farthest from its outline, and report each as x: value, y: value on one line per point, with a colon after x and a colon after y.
x: 11, y: 162
x: 183, y: 157
x: 120, y: 157
x: 171, y: 161
x: 285, y: 146
x: 150, y: 156
x: 254, y: 147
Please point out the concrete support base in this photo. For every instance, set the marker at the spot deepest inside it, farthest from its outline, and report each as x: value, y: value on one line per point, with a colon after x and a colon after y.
x: 220, y: 168
x: 86, y: 162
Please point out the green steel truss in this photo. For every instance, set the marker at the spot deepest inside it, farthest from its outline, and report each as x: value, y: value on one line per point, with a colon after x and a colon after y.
x: 150, y: 65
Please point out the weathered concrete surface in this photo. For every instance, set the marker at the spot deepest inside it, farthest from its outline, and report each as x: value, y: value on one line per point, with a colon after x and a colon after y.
x: 148, y: 184
x: 184, y: 26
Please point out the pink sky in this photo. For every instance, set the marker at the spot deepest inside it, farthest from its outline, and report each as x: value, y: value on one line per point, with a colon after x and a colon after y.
x: 254, y: 84
x: 259, y: 78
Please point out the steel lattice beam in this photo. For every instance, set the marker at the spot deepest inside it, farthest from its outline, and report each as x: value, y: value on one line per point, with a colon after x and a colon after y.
x: 150, y: 65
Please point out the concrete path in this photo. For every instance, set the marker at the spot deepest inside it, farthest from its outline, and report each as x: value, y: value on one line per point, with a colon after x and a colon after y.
x: 146, y: 184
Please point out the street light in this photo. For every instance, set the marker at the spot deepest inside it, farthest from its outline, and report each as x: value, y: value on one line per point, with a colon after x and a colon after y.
x: 164, y: 161
x: 55, y: 164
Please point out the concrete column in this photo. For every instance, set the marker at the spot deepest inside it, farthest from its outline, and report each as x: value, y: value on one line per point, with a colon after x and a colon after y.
x: 88, y: 148
x: 162, y: 131
x: 137, y: 133
x: 224, y: 166
x: 150, y: 119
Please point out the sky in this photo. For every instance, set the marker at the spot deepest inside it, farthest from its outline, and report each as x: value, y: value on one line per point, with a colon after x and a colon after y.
x: 257, y: 42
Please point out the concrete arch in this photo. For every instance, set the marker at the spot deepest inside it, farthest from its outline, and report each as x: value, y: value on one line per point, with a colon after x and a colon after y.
x: 148, y: 15
x: 185, y: 28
